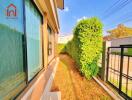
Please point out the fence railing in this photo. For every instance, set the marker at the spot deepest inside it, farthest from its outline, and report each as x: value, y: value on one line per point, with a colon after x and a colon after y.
x: 119, y: 69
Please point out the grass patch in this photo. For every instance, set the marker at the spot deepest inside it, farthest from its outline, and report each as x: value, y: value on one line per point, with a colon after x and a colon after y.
x: 125, y: 53
x: 60, y: 48
x: 130, y: 51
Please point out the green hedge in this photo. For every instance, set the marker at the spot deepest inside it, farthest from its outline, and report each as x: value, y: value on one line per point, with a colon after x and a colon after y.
x: 86, y: 46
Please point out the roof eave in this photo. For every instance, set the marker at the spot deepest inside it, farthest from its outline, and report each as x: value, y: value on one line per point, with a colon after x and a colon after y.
x: 60, y: 4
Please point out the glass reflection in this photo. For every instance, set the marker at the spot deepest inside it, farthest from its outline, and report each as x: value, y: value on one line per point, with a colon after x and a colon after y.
x: 33, y: 30
x: 12, y: 76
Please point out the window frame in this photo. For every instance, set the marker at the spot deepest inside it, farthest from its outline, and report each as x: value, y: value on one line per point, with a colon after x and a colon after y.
x: 50, y: 32
x: 24, y: 46
x: 25, y: 55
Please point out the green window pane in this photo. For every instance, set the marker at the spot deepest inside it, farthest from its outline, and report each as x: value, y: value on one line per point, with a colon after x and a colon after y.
x: 12, y: 76
x: 33, y: 31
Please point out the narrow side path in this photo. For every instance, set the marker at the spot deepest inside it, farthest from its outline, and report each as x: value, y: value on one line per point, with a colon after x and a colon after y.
x: 73, y: 86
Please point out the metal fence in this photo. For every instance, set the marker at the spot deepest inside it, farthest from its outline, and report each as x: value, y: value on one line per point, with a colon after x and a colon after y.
x: 119, y: 69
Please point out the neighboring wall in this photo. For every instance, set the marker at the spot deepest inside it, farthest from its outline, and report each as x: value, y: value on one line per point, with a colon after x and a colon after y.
x: 121, y: 41
x: 64, y: 39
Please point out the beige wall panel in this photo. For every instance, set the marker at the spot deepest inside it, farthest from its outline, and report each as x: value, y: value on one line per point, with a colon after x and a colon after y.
x: 45, y: 40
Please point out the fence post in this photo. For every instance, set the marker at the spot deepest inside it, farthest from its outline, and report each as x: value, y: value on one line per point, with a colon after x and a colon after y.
x: 106, y: 44
x: 121, y: 69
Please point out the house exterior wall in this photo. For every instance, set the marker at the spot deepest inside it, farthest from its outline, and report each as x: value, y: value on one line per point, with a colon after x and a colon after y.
x: 32, y: 87
x: 52, y: 55
x: 49, y: 19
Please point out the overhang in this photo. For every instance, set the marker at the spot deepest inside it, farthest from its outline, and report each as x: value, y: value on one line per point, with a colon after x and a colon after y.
x: 60, y: 4
x: 50, y: 8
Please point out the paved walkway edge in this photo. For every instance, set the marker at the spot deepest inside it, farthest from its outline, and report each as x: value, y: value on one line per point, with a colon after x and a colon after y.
x: 113, y: 95
x: 47, y: 94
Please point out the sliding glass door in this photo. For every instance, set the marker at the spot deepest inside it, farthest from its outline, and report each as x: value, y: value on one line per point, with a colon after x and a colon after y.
x: 33, y: 33
x: 20, y: 45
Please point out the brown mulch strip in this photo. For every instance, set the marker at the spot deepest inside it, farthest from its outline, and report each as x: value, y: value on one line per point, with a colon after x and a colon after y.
x: 73, y: 86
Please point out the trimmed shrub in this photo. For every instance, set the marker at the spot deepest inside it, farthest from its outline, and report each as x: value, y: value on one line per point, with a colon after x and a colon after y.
x: 86, y: 46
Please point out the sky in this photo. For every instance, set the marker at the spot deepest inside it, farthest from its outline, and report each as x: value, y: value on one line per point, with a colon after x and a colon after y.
x: 110, y: 12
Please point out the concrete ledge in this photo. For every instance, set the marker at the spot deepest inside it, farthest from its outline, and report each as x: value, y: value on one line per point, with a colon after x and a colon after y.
x: 112, y: 94
x: 45, y: 95
x: 35, y: 89
x: 54, y: 95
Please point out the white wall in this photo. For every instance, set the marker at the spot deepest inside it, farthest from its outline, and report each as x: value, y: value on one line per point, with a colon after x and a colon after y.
x: 64, y: 39
x: 121, y: 41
